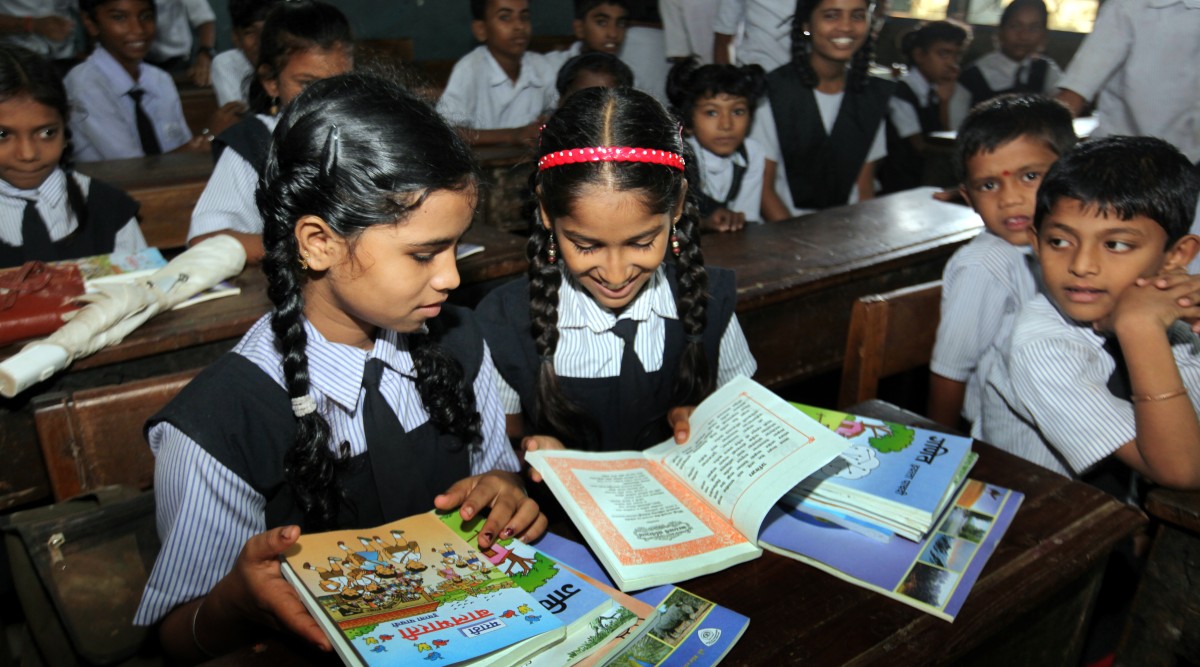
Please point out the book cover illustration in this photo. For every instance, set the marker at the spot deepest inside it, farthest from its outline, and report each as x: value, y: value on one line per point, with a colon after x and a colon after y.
x: 416, y: 592
x: 102, y: 267
x: 906, y: 465
x: 934, y: 575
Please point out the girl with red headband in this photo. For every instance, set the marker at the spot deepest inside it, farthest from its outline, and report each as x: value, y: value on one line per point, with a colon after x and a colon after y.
x: 619, y: 329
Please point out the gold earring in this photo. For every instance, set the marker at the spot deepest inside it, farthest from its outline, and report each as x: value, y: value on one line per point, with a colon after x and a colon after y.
x: 304, y: 262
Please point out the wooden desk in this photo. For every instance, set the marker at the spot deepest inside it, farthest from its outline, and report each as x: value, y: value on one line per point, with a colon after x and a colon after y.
x: 1029, y: 606
x: 1164, y: 623
x: 798, y: 279
x: 167, y: 187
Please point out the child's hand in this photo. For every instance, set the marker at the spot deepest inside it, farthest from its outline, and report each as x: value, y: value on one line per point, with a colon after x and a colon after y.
x: 533, y: 443
x: 678, y: 419
x: 723, y: 220
x: 200, y: 73
x: 54, y: 28
x: 529, y: 134
x: 511, y: 514
x: 1160, y: 301
x: 1170, y: 281
x: 950, y: 195
x: 256, y: 590
x: 226, y: 116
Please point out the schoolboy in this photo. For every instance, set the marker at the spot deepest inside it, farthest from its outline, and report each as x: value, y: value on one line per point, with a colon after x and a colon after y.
x: 1005, y: 147
x: 172, y: 47
x: 1017, y: 65
x: 233, y: 70
x: 599, y: 26
x: 123, y: 107
x: 500, y: 90
x: 1100, y: 364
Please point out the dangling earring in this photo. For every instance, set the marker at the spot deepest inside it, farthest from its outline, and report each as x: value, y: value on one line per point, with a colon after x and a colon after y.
x: 674, y: 240
x: 274, y: 110
x: 552, y: 251
x: 304, y: 262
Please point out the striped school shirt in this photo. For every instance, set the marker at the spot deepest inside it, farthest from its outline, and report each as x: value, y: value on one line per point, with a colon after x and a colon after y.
x: 228, y: 199
x: 56, y: 212
x: 1047, y: 399
x: 206, y: 513
x: 587, y: 347
x: 983, y: 288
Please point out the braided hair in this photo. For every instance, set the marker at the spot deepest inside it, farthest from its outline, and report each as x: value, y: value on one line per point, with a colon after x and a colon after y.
x: 860, y: 64
x: 614, y: 117
x: 355, y: 150
x: 25, y: 73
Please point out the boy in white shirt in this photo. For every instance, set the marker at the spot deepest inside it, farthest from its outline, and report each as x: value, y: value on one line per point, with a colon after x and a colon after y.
x: 233, y: 70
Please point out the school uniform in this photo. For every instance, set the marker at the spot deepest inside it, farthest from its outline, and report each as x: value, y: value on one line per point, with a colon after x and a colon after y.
x: 35, y: 42
x: 175, y: 20
x: 735, y: 181
x: 983, y: 288
x: 1048, y: 397
x: 103, y: 119
x: 915, y: 110
x: 556, y: 59
x: 231, y: 75
x: 228, y: 199
x: 995, y: 74
x: 1140, y: 60
x: 112, y: 224
x: 767, y: 40
x: 688, y: 28
x: 818, y: 141
x: 480, y: 95
x: 220, y: 447
x: 629, y: 411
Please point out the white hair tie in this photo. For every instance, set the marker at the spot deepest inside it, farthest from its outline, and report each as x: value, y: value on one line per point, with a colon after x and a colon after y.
x: 303, y: 405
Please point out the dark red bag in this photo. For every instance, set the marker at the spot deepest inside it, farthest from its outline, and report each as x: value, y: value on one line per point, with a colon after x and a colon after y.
x: 34, y: 297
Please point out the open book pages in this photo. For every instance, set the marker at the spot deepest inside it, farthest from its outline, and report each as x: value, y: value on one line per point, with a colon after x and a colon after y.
x: 674, y: 511
x: 414, y: 590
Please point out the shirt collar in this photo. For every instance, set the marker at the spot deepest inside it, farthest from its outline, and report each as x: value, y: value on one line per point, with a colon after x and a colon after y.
x: 114, y: 72
x: 51, y: 192
x: 711, y: 163
x: 498, y: 77
x: 917, y: 82
x: 336, y: 370
x: 577, y: 309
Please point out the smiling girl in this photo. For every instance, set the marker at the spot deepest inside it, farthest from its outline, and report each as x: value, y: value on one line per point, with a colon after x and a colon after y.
x: 47, y: 211
x: 618, y: 322
x: 823, y: 129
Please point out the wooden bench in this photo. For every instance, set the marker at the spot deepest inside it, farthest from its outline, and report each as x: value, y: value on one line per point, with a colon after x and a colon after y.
x: 889, y: 333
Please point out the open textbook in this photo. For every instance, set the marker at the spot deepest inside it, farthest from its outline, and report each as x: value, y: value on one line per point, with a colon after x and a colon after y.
x: 413, y: 590
x: 674, y: 512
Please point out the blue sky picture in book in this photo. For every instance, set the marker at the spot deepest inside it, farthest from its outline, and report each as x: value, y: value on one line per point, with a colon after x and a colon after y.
x: 934, y: 575
x: 905, y: 472
x: 413, y: 592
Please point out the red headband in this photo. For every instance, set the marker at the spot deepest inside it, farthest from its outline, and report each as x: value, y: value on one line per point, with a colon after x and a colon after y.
x: 611, y: 154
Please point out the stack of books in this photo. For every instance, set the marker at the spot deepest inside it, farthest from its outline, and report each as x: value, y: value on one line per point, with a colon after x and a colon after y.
x: 892, y: 479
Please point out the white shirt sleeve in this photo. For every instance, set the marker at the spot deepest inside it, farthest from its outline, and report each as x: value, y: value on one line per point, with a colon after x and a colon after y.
x: 129, y: 238
x: 495, y: 453
x: 228, y: 199
x: 730, y: 14
x: 735, y: 356
x: 199, y: 12
x: 675, y: 36
x: 1102, y: 52
x: 456, y: 100
x: 903, y: 117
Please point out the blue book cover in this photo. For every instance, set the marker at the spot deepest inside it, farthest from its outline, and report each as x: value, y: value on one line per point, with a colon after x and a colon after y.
x: 906, y: 470
x: 414, y: 590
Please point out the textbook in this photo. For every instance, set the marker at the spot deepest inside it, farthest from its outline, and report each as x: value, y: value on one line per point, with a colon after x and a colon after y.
x: 414, y: 590
x: 588, y: 609
x: 895, y: 477
x: 674, y: 512
x: 131, y: 267
x: 933, y: 575
x: 681, y: 630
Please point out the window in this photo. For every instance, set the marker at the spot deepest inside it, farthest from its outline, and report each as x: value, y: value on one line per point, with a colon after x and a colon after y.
x: 1066, y: 15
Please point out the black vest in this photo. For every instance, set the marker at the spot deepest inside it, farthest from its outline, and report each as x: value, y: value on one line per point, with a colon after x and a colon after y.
x: 822, y: 168
x: 903, y: 167
x: 108, y: 210
x: 972, y: 79
x: 248, y: 138
x: 623, y: 420
x: 241, y: 417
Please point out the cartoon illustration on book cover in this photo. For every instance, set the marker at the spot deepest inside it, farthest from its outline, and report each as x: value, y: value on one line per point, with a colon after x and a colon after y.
x: 418, y: 592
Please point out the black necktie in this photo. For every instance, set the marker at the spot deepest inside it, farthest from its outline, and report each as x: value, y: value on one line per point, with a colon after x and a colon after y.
x: 380, y: 423
x: 1118, y: 382
x: 1017, y: 80
x: 932, y: 99
x: 145, y: 128
x: 633, y: 380
x: 35, y: 238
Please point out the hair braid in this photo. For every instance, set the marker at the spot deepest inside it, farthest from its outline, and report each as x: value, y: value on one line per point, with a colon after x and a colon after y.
x: 447, y: 396
x: 695, y: 380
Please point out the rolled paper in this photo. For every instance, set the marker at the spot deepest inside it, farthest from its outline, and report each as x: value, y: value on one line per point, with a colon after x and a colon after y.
x: 30, y: 366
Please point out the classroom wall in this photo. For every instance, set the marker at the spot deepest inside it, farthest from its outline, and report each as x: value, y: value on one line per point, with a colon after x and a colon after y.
x: 440, y: 29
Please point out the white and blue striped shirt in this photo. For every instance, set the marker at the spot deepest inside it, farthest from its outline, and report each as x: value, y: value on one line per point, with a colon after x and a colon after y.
x: 228, y: 199
x: 55, y: 209
x: 983, y: 288
x: 206, y: 513
x: 587, y: 347
x: 1047, y: 399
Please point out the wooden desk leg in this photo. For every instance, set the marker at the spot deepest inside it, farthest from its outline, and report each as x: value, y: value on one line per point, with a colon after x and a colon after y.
x: 1163, y: 622
x: 1052, y: 634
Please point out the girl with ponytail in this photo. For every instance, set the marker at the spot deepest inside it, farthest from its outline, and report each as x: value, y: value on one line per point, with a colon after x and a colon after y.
x: 619, y: 322
x: 361, y: 398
